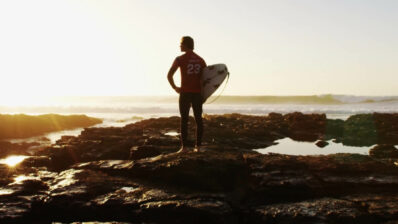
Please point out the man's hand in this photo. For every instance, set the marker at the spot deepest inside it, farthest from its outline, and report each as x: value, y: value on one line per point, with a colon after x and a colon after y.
x: 177, y: 89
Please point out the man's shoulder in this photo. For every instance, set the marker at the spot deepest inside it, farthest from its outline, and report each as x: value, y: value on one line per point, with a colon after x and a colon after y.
x: 181, y: 57
x: 189, y: 57
x: 196, y: 55
x: 200, y: 58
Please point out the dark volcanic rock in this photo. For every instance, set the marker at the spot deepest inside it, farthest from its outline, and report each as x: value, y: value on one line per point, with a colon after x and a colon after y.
x: 145, y: 151
x: 321, y: 143
x: 387, y: 128
x: 322, y: 210
x: 360, y: 130
x: 334, y: 129
x: 293, y: 178
x: 337, y: 140
x: 200, y: 171
x: 132, y: 174
x: 303, y: 127
x: 384, y: 151
x: 370, y: 129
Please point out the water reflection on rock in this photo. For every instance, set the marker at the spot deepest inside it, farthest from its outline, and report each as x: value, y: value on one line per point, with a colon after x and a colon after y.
x: 21, y: 178
x: 6, y: 191
x: 13, y: 160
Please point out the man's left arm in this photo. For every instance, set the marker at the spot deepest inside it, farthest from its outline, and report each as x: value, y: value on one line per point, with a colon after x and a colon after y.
x: 170, y: 75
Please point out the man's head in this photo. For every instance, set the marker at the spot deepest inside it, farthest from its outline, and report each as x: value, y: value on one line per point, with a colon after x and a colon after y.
x: 186, y: 43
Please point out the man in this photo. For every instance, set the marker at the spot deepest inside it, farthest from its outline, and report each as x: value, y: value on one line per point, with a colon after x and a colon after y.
x: 191, y: 66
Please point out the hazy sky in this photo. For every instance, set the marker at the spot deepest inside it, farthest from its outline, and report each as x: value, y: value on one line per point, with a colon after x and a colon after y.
x: 121, y: 47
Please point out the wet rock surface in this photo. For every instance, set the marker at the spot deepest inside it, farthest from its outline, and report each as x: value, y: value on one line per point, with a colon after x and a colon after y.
x: 321, y: 143
x: 384, y: 151
x: 133, y: 175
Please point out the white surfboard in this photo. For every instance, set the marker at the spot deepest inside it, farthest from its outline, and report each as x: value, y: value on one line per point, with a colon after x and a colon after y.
x: 212, y: 78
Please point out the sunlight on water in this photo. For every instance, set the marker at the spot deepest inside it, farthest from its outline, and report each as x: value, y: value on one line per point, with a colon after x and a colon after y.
x: 291, y: 147
x: 172, y: 133
x: 54, y: 136
x: 6, y: 191
x: 22, y: 178
x: 65, y: 178
x: 13, y: 160
x: 129, y: 189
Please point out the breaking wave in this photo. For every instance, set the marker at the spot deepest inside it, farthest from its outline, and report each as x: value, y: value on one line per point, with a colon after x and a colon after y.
x: 124, y: 107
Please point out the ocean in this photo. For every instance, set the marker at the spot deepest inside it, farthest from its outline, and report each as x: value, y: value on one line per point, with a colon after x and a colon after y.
x: 121, y: 110
x: 115, y: 108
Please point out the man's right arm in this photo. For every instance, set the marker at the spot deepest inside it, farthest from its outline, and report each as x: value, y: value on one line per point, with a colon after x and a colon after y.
x: 170, y: 75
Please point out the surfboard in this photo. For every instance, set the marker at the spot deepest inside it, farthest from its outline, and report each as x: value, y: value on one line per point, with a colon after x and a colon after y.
x: 212, y: 78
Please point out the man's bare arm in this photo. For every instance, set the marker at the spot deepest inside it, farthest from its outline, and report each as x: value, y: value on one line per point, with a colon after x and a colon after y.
x: 170, y: 75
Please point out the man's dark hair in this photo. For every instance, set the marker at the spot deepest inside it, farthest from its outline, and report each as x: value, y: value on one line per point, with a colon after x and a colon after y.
x: 187, y: 41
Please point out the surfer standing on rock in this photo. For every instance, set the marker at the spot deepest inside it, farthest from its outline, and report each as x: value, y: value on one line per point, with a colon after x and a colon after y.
x: 191, y: 66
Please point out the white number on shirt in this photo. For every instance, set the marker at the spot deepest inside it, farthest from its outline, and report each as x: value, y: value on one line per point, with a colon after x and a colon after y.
x: 193, y: 69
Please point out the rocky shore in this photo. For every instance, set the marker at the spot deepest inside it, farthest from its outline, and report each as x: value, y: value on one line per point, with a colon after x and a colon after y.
x: 131, y: 174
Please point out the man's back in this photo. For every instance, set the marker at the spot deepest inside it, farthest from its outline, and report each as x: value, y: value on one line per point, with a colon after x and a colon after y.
x: 191, y: 66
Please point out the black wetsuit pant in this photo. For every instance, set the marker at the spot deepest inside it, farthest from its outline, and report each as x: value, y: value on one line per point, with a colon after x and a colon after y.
x: 185, y: 102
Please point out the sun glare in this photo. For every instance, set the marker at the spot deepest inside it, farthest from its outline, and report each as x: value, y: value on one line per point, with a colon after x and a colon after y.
x: 13, y: 160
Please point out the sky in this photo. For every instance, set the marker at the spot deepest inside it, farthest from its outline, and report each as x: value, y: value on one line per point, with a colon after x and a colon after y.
x: 126, y: 47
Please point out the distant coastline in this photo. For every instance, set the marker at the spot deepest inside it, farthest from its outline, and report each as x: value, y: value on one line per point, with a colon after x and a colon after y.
x: 24, y: 126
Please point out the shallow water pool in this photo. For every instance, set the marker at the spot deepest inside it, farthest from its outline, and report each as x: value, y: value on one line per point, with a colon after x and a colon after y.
x: 291, y: 147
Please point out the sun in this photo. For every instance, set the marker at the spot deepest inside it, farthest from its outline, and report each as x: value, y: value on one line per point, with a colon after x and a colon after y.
x: 13, y: 160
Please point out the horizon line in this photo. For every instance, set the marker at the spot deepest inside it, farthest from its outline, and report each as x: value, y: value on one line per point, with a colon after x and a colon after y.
x: 230, y: 95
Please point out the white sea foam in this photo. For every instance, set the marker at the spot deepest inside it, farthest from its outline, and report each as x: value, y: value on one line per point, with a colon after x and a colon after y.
x: 365, y: 99
x: 116, y: 109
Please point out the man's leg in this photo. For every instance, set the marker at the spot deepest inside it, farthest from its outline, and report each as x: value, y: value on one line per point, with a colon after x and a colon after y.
x: 197, y: 111
x: 184, y: 105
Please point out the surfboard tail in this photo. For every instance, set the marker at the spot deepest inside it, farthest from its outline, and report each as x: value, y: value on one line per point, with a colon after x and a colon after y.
x: 213, y: 76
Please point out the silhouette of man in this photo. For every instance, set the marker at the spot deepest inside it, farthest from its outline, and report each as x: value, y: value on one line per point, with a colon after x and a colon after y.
x: 191, y: 66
